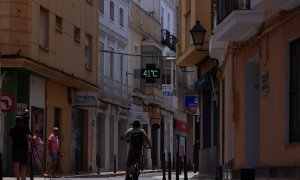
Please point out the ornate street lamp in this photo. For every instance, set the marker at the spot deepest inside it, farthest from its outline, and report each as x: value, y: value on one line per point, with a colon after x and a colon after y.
x: 198, y: 33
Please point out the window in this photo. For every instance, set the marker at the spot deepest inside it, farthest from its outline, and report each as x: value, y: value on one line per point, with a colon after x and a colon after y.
x: 112, y: 10
x: 136, y: 57
x: 121, y: 14
x: 188, y: 5
x: 44, y: 28
x: 162, y: 18
x: 166, y: 72
x: 294, y: 92
x: 136, y: 67
x: 88, y: 51
x: 57, y: 117
x: 101, y: 58
x: 111, y: 64
x: 101, y: 6
x: 169, y: 21
x: 58, y: 23
x: 120, y: 70
x: 77, y: 34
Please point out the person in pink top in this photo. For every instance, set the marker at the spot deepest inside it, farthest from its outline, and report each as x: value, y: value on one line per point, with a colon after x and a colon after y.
x: 53, y: 148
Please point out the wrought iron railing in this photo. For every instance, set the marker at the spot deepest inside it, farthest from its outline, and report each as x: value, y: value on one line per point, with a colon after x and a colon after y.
x: 165, y: 36
x: 226, y: 7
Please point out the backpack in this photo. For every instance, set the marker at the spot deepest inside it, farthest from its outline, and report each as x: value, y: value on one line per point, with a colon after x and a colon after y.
x: 136, y: 138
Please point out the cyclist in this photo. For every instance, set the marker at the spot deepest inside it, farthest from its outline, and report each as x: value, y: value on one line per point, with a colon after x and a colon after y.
x: 136, y: 137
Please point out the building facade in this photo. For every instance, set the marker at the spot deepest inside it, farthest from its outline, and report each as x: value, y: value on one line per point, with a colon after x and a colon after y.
x: 205, y: 89
x: 258, y: 88
x: 48, y: 63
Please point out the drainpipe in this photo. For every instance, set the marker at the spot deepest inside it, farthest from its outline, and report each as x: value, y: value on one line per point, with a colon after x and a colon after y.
x: 1, y: 125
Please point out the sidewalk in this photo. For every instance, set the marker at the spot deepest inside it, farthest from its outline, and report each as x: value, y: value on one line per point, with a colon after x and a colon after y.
x: 83, y: 175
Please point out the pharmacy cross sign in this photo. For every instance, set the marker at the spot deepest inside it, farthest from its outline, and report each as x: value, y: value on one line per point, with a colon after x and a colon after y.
x: 150, y: 73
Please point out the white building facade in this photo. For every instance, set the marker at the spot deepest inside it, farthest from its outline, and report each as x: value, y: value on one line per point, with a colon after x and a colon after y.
x: 114, y: 96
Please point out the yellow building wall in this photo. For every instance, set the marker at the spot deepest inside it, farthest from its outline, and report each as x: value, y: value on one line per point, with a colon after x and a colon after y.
x: 57, y: 97
x: 273, y: 52
x: 65, y: 53
x: 135, y: 39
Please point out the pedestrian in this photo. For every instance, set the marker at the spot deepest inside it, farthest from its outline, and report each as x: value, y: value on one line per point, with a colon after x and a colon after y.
x: 20, y: 137
x: 53, y: 147
x: 37, y: 151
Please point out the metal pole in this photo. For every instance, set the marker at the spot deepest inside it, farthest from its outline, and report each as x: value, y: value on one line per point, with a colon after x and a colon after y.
x: 98, y: 164
x: 177, y: 166
x: 185, y: 168
x: 163, y: 166
x: 169, y: 166
x: 76, y: 161
x: 180, y: 164
x: 1, y: 174
x: 115, y: 164
x: 1, y: 125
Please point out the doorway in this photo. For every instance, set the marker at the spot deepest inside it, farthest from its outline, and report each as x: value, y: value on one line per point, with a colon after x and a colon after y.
x: 252, y: 108
x: 79, y: 139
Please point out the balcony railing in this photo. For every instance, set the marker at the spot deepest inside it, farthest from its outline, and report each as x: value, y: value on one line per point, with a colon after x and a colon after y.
x: 225, y: 7
x: 165, y: 36
x: 141, y: 20
x: 115, y: 90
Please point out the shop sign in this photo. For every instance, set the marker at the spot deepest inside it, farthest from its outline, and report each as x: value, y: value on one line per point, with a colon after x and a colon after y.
x: 143, y: 117
x: 85, y: 101
x: 182, y: 126
x: 191, y: 101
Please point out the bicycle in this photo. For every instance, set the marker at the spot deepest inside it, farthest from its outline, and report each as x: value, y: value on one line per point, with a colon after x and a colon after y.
x: 136, y: 169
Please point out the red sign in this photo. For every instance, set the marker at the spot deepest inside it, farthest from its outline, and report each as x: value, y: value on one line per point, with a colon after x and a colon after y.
x: 182, y: 126
x: 6, y: 102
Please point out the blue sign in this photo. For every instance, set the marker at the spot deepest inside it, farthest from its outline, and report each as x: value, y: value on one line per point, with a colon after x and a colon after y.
x: 191, y: 101
x: 168, y: 93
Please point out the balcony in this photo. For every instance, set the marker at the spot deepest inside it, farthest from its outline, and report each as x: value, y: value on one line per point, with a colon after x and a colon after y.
x: 236, y: 22
x: 274, y: 4
x: 172, y: 41
x: 115, y: 91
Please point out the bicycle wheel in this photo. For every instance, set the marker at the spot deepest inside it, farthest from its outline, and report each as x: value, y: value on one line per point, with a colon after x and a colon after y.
x: 135, y: 172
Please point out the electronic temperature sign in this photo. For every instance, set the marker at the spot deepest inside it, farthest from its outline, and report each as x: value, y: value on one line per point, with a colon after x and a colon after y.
x: 150, y: 73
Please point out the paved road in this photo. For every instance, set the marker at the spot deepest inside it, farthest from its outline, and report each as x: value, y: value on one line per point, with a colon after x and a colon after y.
x: 148, y: 176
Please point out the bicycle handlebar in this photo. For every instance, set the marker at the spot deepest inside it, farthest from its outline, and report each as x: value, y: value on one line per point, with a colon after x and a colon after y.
x: 147, y: 147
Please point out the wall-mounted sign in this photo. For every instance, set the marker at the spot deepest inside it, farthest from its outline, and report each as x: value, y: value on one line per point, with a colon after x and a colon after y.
x: 6, y: 102
x: 191, y: 101
x: 167, y: 89
x: 265, y: 83
x: 150, y: 73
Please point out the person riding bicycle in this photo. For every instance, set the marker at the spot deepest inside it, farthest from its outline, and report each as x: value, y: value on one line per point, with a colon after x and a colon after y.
x: 136, y: 137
